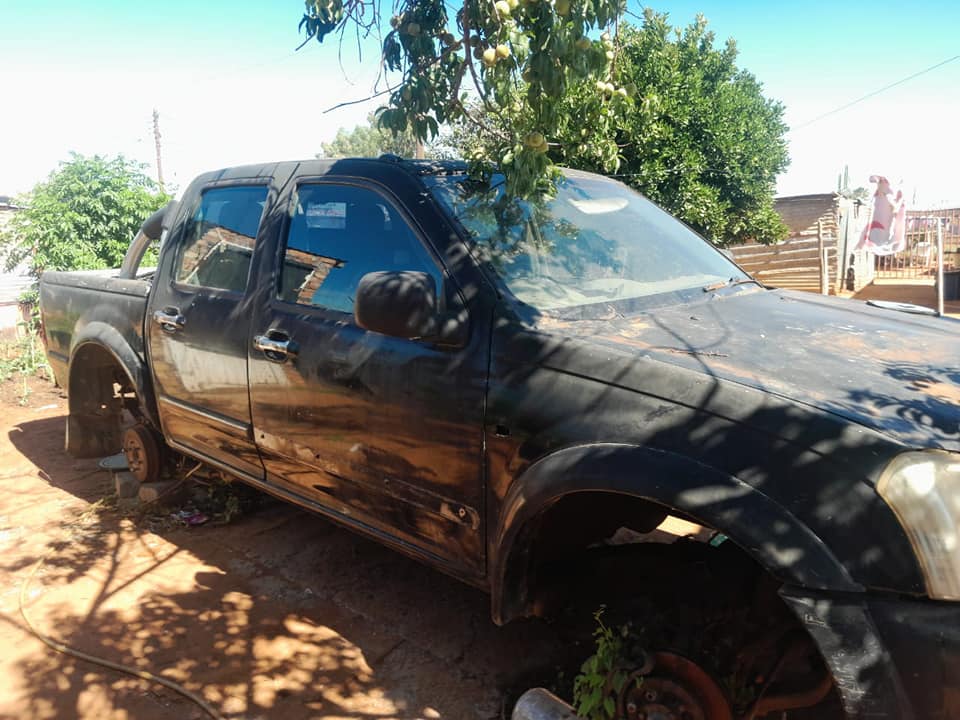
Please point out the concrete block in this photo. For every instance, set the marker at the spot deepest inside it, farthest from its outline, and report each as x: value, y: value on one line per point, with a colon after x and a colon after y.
x: 127, y: 485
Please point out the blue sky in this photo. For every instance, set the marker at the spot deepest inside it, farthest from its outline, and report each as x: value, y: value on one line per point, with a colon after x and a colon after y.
x: 86, y: 77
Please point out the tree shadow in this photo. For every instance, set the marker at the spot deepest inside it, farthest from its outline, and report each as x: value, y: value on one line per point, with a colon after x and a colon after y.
x: 278, y: 614
x: 803, y: 500
x: 934, y: 392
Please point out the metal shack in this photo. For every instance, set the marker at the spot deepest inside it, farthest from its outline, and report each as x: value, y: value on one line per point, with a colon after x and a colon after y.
x: 818, y: 255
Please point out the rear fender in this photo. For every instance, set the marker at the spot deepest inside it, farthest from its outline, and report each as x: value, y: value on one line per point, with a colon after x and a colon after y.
x: 93, y: 424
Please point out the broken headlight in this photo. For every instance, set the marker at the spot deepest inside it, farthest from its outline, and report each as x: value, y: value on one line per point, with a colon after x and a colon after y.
x: 923, y: 489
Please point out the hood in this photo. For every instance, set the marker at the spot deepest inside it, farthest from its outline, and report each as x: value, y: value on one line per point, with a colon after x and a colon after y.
x: 898, y: 374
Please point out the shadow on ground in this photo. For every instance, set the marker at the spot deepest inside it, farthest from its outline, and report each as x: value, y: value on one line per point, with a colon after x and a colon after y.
x: 279, y: 614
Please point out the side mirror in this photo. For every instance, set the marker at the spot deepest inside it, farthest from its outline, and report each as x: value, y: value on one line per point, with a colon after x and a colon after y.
x: 403, y: 304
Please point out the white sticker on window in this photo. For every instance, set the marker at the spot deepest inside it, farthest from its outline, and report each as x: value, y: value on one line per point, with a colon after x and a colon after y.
x: 329, y: 216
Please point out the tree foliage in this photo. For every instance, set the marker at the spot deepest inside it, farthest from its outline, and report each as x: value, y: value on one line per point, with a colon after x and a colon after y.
x: 569, y: 82
x: 369, y: 140
x: 521, y: 57
x: 699, y: 138
x: 82, y: 217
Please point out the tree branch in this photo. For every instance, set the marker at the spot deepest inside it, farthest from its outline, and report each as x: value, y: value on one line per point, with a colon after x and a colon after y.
x: 361, y: 100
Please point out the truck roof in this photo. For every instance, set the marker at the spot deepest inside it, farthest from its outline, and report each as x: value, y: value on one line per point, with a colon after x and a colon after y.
x: 270, y: 169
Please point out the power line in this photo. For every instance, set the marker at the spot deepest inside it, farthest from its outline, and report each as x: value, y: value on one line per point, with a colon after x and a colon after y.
x: 875, y: 92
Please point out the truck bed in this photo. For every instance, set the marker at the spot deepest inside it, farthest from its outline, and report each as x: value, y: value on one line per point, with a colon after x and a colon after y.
x: 71, y: 301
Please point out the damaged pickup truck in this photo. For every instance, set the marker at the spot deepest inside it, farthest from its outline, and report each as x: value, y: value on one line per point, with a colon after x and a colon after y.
x: 548, y: 399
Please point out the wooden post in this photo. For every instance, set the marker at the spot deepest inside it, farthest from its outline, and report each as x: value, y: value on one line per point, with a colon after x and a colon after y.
x: 824, y: 268
x: 939, y: 268
x: 843, y: 258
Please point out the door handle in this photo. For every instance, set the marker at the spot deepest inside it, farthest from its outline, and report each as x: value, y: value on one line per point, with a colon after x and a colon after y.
x: 277, y: 346
x: 169, y: 319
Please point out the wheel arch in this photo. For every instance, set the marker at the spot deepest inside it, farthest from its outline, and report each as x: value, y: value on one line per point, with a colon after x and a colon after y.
x: 652, y: 479
x: 99, y: 350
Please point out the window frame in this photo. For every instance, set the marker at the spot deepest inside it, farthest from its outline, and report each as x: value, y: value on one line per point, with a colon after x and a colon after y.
x: 447, y: 290
x: 187, y: 220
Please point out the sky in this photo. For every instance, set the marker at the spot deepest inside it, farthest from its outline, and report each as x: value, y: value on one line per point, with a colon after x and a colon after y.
x: 230, y: 89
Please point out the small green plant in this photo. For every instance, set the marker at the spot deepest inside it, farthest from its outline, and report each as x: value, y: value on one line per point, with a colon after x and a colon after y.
x: 602, y: 675
x: 224, y: 500
x: 24, y: 356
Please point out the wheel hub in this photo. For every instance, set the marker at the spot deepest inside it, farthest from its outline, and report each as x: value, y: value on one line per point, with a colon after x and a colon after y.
x: 142, y: 453
x: 674, y: 689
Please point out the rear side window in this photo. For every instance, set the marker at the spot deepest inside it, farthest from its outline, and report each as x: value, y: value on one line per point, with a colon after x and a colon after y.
x: 339, y: 233
x: 218, y: 240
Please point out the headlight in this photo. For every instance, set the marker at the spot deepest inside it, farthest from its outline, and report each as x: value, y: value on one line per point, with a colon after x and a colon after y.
x: 923, y: 489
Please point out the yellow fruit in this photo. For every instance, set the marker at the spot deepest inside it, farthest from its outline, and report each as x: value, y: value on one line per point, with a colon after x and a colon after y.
x: 583, y: 44
x: 534, y: 140
x: 562, y: 7
x: 489, y: 57
x: 448, y: 39
x: 395, y: 22
x: 503, y: 7
x: 609, y: 54
x: 605, y: 37
x: 503, y: 52
x: 622, y: 92
x: 542, y: 147
x: 514, y: 4
x: 609, y: 88
x: 601, y: 86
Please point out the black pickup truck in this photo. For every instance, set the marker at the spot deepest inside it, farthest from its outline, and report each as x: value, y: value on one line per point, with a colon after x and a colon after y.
x: 544, y: 399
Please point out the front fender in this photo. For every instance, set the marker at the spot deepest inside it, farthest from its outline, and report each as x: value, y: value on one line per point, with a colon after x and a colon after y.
x: 765, y: 530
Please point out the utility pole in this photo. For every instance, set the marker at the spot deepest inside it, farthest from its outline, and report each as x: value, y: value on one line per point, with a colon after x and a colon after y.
x: 156, y: 140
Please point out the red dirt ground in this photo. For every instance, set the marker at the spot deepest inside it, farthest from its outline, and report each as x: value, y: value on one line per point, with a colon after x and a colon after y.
x: 279, y: 614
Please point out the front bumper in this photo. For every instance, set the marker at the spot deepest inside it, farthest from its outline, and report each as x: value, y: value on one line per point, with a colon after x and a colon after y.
x: 891, y: 658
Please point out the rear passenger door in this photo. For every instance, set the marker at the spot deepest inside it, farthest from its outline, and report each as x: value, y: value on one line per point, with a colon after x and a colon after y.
x: 198, y: 326
x: 384, y: 433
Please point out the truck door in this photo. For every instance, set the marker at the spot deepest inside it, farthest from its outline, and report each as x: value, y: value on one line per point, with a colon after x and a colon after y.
x: 381, y: 432
x: 198, y: 326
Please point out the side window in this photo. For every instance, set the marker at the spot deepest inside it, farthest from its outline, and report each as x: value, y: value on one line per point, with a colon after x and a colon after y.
x: 218, y: 240
x: 338, y: 234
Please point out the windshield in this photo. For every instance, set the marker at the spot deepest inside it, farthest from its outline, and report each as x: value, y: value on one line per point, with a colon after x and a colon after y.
x: 596, y: 242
